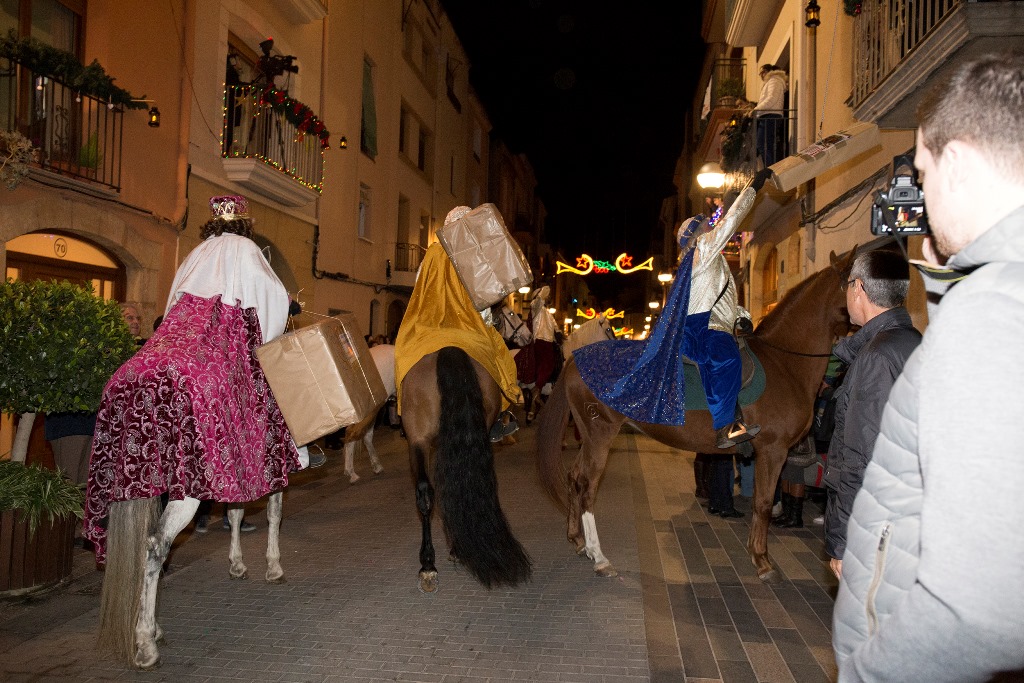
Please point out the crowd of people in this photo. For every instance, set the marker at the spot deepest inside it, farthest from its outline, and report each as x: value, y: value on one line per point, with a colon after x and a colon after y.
x: 923, y: 477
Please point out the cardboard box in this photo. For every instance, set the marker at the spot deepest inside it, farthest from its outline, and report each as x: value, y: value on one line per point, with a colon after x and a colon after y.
x: 489, y: 262
x: 323, y: 377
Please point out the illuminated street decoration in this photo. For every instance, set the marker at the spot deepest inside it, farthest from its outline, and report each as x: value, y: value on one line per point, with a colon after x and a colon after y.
x: 585, y: 265
x: 622, y: 331
x: 590, y: 313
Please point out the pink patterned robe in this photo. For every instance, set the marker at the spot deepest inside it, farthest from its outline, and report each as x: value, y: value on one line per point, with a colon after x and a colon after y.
x: 190, y: 414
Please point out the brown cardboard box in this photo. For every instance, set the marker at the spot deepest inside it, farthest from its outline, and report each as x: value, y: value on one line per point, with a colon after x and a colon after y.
x: 489, y: 262
x: 323, y: 377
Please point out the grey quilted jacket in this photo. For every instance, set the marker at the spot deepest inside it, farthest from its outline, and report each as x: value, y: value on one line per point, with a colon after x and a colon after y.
x: 933, y: 574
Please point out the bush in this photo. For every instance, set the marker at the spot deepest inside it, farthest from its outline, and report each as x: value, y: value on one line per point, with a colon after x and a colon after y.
x: 38, y: 493
x: 59, y: 345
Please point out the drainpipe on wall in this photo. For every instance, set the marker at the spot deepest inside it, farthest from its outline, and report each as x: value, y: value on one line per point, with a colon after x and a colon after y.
x: 809, y: 134
x: 184, y: 122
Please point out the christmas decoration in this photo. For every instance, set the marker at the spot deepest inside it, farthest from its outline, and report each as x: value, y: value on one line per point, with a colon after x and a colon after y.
x: 49, y: 62
x: 297, y: 114
x: 585, y: 265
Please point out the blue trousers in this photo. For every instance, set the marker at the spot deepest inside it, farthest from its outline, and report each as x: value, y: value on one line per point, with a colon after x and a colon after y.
x: 718, y: 360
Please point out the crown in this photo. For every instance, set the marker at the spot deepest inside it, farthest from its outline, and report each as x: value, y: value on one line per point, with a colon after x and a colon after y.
x: 229, y: 207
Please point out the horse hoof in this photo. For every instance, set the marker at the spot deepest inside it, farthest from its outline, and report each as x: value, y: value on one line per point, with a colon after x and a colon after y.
x: 353, y: 478
x: 242, y: 576
x: 428, y: 582
x: 147, y: 658
x: 581, y: 551
x: 276, y: 580
x: 605, y: 570
x: 769, y: 576
x: 378, y: 468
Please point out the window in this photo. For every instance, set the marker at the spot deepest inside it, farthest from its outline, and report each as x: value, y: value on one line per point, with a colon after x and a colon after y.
x: 419, y: 53
x: 57, y: 23
x: 403, y: 219
x: 770, y: 280
x: 423, y: 153
x: 478, y: 135
x: 364, y: 211
x: 403, y: 126
x: 368, y: 133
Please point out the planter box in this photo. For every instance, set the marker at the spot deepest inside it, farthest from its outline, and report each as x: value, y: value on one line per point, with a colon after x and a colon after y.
x: 29, y: 564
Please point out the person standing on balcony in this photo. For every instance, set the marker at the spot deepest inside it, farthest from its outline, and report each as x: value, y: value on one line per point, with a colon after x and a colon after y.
x: 768, y: 113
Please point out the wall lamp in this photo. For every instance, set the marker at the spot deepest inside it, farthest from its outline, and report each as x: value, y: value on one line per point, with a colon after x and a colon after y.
x: 343, y: 143
x: 153, y: 117
x: 710, y: 176
x: 813, y: 15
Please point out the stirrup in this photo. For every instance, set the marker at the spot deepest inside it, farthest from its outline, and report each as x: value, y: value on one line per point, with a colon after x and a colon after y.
x: 500, y: 430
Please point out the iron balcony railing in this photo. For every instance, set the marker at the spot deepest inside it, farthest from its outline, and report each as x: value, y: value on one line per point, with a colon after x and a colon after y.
x: 885, y: 33
x: 408, y: 257
x: 254, y: 129
x: 757, y: 138
x: 71, y: 133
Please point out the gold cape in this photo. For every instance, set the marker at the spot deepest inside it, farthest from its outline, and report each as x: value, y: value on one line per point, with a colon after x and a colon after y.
x: 441, y: 314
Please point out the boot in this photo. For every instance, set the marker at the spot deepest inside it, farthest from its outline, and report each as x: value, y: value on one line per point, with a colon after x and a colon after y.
x: 701, y: 473
x: 796, y: 515
x: 787, y: 505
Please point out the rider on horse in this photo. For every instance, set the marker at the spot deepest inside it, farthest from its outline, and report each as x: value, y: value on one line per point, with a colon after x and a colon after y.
x: 713, y: 313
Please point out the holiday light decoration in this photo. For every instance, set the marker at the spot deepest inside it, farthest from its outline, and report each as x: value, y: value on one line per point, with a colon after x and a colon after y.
x: 585, y: 264
x: 295, y: 112
x: 609, y: 313
x: 622, y: 331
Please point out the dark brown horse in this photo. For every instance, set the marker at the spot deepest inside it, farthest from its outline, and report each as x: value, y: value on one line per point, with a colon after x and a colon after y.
x: 448, y: 402
x: 793, y: 344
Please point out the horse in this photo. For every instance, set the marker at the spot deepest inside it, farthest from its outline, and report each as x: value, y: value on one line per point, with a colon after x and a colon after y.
x: 384, y: 359
x: 139, y: 538
x: 594, y: 330
x: 448, y: 402
x: 512, y: 328
x: 793, y: 343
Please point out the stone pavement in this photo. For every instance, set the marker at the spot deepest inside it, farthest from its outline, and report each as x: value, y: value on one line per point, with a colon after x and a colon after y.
x: 686, y: 606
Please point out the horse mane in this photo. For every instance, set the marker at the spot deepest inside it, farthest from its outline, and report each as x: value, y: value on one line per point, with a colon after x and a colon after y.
x: 804, y: 301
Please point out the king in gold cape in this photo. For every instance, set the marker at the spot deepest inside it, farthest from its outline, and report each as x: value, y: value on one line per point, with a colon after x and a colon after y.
x: 441, y: 314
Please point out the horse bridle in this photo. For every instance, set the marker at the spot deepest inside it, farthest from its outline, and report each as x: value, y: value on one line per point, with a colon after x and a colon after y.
x: 505, y: 312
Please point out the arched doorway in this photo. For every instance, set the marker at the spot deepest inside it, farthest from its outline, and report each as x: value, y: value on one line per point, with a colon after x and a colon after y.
x: 396, y: 310
x: 56, y: 255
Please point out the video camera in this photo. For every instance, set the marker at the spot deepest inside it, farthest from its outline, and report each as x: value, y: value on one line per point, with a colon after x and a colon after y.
x: 272, y: 66
x: 900, y: 210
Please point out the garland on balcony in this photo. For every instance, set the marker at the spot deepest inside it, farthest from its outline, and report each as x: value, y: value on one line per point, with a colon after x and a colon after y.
x: 852, y: 7
x: 297, y: 114
x: 60, y: 65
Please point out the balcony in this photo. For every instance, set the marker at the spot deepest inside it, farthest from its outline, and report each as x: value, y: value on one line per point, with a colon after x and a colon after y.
x: 902, y: 45
x: 72, y: 134
x: 725, y: 95
x: 267, y: 152
x: 408, y: 257
x: 747, y: 137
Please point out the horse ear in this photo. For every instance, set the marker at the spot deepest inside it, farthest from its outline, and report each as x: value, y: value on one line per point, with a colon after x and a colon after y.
x: 832, y: 258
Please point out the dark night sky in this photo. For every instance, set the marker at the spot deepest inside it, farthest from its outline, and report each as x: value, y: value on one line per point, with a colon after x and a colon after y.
x: 595, y: 94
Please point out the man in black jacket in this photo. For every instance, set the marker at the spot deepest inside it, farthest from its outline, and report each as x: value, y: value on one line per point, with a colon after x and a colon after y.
x: 876, y: 353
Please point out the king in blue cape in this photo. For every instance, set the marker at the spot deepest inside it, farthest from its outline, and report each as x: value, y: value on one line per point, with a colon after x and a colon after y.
x: 644, y: 380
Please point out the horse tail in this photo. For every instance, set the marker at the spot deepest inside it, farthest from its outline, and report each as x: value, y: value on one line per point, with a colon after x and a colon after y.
x: 129, y: 525
x: 467, y: 484
x: 551, y: 424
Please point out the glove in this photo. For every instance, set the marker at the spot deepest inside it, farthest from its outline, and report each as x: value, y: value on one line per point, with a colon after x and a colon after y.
x: 759, y: 179
x: 294, y: 308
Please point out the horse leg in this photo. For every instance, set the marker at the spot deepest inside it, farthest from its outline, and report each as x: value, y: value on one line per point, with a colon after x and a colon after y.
x: 602, y: 566
x: 350, y: 460
x: 177, y: 515
x: 275, y: 574
x: 767, y: 468
x: 374, y: 461
x: 425, y: 506
x: 237, y: 569
x: 528, y: 403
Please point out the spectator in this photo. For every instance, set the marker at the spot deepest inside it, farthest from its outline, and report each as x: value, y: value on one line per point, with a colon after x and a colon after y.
x: 875, y: 354
x: 723, y: 481
x: 769, y: 113
x: 932, y: 587
x: 134, y: 319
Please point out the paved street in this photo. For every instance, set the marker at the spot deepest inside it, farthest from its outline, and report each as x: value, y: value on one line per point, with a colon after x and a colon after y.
x: 687, y: 605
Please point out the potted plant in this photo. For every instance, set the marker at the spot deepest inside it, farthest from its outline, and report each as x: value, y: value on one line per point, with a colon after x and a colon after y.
x: 59, y: 345
x: 38, y: 512
x: 730, y: 90
x: 89, y: 156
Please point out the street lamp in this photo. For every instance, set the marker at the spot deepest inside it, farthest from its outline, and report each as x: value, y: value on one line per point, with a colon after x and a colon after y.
x: 654, y: 305
x: 664, y: 279
x: 710, y: 176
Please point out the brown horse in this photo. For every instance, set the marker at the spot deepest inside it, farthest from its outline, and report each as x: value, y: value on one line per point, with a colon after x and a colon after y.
x: 448, y: 402
x: 793, y: 344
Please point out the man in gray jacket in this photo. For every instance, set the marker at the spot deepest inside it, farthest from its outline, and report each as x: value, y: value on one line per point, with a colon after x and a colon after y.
x: 932, y: 584
x: 875, y: 292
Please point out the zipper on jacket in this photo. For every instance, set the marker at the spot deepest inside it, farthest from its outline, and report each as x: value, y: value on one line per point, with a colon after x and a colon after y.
x: 876, y: 580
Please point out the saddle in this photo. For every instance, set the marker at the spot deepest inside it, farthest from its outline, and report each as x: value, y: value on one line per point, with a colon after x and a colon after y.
x: 751, y: 386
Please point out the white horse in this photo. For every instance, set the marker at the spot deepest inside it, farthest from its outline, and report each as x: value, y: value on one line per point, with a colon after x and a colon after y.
x: 384, y: 359
x: 138, y: 540
x: 594, y: 330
